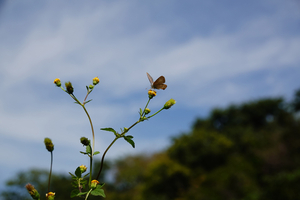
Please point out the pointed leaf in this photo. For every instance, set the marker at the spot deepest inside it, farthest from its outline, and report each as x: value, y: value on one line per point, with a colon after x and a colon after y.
x: 96, y: 152
x: 141, y: 112
x: 109, y: 129
x: 88, y: 101
x: 78, y: 172
x: 129, y: 140
x: 73, y: 176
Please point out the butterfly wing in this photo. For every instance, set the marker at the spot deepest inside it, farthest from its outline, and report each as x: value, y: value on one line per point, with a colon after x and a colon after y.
x: 159, y: 83
x: 150, y: 79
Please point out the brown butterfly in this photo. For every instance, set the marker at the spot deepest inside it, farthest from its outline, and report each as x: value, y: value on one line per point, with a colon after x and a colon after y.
x: 159, y: 83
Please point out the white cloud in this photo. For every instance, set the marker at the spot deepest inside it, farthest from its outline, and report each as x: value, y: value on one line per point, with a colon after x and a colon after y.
x: 79, y: 43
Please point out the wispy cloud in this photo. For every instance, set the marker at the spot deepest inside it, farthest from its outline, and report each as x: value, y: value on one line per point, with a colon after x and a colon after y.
x: 210, y: 55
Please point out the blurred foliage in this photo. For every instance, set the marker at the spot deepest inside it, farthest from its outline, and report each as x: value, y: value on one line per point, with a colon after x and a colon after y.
x: 248, y: 151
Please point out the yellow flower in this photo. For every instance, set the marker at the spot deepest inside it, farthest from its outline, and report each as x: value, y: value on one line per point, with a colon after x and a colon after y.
x: 82, y: 168
x: 50, y: 195
x: 151, y: 94
x: 96, y: 81
x: 94, y: 184
x: 57, y: 82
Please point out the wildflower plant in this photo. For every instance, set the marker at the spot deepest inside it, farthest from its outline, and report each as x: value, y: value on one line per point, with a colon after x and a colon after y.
x: 84, y: 185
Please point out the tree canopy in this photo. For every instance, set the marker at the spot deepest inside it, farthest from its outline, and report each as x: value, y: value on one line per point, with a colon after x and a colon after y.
x: 248, y: 151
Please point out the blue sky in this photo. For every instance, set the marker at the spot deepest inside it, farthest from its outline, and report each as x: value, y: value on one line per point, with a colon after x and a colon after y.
x: 212, y: 54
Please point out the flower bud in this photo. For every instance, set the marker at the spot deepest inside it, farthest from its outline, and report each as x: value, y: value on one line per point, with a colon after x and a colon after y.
x: 50, y: 195
x: 151, y: 94
x: 96, y: 81
x: 84, y: 141
x: 49, y: 145
x: 94, y: 184
x: 91, y: 87
x: 82, y: 168
x: 147, y: 111
x: 32, y: 191
x: 169, y: 104
x: 57, y: 82
x: 69, y: 87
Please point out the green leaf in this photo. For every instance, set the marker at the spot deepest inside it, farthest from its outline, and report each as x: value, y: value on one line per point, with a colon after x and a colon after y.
x: 96, y: 152
x: 109, y: 129
x: 128, y: 138
x: 83, y: 152
x: 98, y: 191
x: 88, y: 101
x: 141, y: 112
x: 78, y: 172
x: 86, y: 175
x: 88, y: 149
x: 81, y: 193
x: 73, y: 176
x: 74, y: 193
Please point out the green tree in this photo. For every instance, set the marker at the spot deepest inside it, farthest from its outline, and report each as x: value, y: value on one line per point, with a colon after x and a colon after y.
x: 247, y: 151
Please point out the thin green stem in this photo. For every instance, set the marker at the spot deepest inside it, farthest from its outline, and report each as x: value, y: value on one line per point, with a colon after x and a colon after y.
x: 155, y: 113
x: 145, y: 107
x: 49, y: 180
x: 102, y: 159
x: 87, y: 195
x: 93, y: 146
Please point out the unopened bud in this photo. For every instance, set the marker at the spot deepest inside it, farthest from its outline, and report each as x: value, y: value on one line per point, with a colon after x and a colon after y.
x: 84, y: 141
x: 32, y: 191
x: 169, y: 104
x: 147, y: 111
x: 69, y: 87
x: 49, y: 145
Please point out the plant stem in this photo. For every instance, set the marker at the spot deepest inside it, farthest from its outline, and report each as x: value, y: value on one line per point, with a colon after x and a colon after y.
x: 93, y: 146
x: 102, y: 160
x: 155, y: 113
x: 87, y: 195
x: 50, y: 173
x: 145, y: 107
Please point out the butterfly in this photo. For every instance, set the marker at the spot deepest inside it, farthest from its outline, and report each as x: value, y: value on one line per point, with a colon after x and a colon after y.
x: 159, y: 83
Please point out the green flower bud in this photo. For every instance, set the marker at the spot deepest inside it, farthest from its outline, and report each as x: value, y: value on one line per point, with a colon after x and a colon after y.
x: 91, y: 87
x: 147, y: 111
x: 49, y: 145
x: 32, y: 191
x: 169, y: 104
x: 69, y: 87
x: 84, y: 141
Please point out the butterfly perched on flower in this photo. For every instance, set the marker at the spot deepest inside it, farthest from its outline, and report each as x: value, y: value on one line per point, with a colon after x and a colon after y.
x: 159, y: 83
